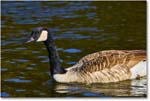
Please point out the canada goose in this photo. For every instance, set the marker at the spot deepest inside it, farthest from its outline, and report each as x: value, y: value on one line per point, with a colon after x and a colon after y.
x: 100, y: 67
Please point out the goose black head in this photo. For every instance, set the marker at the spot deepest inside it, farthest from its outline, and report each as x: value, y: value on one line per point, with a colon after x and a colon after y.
x: 38, y: 34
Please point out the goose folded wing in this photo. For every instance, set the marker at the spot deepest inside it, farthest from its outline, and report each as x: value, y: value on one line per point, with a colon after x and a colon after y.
x: 107, y: 59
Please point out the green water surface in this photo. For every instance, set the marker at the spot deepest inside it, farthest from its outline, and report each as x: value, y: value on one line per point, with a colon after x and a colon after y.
x: 79, y: 28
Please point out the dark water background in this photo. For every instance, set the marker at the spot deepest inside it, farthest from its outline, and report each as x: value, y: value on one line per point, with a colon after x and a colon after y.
x: 79, y: 28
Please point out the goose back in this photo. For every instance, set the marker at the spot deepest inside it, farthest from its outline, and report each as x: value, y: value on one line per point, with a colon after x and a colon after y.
x: 109, y: 58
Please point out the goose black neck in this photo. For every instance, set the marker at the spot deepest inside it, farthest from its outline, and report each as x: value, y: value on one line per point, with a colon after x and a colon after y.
x: 55, y: 66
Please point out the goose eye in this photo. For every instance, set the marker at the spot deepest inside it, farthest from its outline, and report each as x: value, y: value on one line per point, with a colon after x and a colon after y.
x: 36, y: 35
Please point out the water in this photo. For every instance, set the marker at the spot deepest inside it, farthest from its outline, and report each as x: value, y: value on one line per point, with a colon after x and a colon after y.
x: 79, y: 28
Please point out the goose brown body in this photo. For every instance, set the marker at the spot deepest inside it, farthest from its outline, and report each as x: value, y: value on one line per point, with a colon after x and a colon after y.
x: 103, y: 67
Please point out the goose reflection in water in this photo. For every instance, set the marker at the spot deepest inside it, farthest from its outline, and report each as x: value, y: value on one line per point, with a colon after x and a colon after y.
x: 97, y: 89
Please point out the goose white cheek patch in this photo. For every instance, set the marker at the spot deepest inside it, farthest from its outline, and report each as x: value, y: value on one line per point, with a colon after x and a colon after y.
x: 43, y: 36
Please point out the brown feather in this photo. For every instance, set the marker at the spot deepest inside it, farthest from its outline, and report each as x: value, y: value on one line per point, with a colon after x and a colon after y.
x: 109, y: 58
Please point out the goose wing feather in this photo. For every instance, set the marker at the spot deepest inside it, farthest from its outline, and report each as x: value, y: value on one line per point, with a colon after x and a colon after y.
x: 108, y: 59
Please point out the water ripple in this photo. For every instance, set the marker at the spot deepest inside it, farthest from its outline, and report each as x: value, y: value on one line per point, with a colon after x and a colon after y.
x: 71, y: 36
x: 42, y: 57
x: 4, y: 94
x: 17, y: 80
x: 92, y: 94
x: 22, y: 60
x: 20, y: 90
x: 72, y: 50
x: 71, y: 63
x: 4, y: 69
